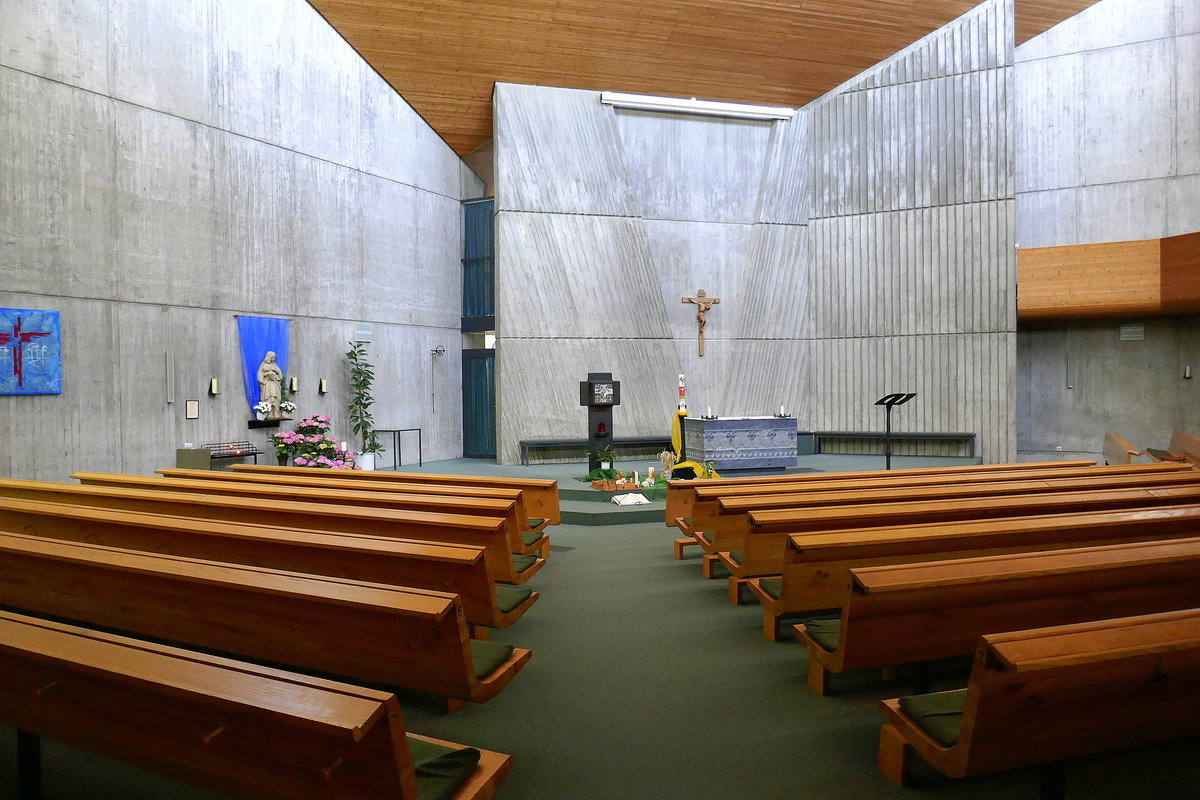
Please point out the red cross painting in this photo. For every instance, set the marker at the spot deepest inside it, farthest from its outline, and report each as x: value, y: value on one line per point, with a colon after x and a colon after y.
x: 30, y: 352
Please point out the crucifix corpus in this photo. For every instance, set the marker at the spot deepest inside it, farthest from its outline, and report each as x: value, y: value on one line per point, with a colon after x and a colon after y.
x: 703, y: 304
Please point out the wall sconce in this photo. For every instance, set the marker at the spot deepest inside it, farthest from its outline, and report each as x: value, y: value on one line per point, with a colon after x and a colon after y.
x: 1187, y: 372
x: 293, y: 384
x: 323, y: 386
x: 213, y: 388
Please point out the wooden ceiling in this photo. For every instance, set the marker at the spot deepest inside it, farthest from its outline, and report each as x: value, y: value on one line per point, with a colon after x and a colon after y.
x: 444, y: 55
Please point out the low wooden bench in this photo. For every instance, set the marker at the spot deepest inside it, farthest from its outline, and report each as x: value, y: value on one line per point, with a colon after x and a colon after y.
x: 762, y: 545
x: 529, y: 445
x: 680, y: 494
x: 294, y: 541
x: 961, y: 437
x: 1184, y: 448
x: 1044, y: 695
x: 1117, y: 451
x: 490, y: 533
x: 464, y: 500
x: 227, y: 726
x: 817, y: 568
x: 395, y: 636
x: 540, y: 495
x: 910, y: 613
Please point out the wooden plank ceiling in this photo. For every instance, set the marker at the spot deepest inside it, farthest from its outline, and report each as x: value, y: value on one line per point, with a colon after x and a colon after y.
x: 444, y: 55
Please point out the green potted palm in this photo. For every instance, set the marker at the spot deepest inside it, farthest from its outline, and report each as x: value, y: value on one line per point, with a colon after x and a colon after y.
x: 362, y: 377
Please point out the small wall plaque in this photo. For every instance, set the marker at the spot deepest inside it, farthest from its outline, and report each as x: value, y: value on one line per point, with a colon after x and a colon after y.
x: 191, y: 409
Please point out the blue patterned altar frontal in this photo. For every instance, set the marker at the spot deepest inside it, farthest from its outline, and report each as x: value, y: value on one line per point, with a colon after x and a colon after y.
x: 30, y: 352
x: 742, y: 442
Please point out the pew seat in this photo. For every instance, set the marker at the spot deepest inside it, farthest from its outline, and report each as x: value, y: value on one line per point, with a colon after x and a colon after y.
x: 1048, y: 694
x: 227, y: 726
x: 1184, y: 448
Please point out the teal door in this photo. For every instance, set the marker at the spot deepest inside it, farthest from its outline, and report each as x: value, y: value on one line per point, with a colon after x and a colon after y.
x: 479, y: 403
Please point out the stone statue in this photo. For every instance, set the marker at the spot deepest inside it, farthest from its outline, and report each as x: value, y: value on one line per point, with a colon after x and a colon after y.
x: 270, y: 383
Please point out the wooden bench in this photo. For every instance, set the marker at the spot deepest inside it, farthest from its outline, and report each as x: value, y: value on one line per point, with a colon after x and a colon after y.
x: 1184, y: 447
x: 910, y: 613
x: 540, y: 495
x: 1117, y: 451
x: 1044, y: 695
x: 395, y: 636
x: 897, y: 436
x: 452, y: 499
x: 286, y: 539
x: 529, y: 445
x: 763, y: 544
x: 817, y: 567
x: 227, y: 726
x: 486, y: 532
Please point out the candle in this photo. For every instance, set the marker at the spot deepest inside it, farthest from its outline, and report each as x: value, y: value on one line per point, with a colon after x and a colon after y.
x: 635, y: 477
x: 708, y: 411
x: 781, y: 411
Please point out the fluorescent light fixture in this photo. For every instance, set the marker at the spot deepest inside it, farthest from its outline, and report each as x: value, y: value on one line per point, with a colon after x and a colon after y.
x: 679, y: 105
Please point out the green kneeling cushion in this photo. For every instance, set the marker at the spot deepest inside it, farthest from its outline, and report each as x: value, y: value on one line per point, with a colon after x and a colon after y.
x: 825, y: 632
x: 522, y: 563
x: 509, y: 597
x: 938, y: 714
x: 440, y: 769
x: 486, y: 657
x: 737, y: 556
x: 772, y: 586
x: 530, y: 537
x: 536, y: 521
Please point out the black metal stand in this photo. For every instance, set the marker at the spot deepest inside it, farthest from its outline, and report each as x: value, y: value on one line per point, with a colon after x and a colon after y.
x: 889, y: 402
x: 29, y: 765
x: 599, y: 393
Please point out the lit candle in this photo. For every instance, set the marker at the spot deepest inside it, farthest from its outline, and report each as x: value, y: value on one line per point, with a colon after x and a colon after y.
x: 708, y: 411
x: 781, y: 411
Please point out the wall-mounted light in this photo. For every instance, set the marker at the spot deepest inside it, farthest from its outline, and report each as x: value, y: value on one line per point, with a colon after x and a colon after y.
x: 708, y: 108
x: 293, y: 384
x: 213, y: 387
x: 323, y: 386
x: 1187, y: 372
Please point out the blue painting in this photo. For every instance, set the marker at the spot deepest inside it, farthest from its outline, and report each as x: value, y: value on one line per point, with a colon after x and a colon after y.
x: 30, y: 352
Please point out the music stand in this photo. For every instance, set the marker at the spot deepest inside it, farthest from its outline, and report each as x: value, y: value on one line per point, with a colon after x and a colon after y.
x: 890, y: 401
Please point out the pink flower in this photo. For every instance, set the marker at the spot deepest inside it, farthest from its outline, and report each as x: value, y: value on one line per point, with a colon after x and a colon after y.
x: 301, y: 462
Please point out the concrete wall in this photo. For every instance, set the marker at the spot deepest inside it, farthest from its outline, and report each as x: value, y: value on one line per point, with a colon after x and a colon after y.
x: 1108, y: 149
x: 170, y: 165
x: 863, y: 247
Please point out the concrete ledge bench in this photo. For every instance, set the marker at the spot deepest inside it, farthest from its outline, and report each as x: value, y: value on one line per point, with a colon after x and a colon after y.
x: 529, y: 445
x: 227, y: 726
x: 961, y: 437
x: 388, y: 635
x: 915, y: 613
x: 1044, y: 695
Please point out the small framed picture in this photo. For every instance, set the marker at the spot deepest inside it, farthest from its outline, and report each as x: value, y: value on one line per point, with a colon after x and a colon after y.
x: 191, y: 409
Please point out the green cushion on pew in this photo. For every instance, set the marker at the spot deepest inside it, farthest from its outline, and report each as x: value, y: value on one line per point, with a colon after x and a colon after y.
x: 738, y: 556
x: 531, y: 537
x: 687, y: 521
x: 536, y: 521
x: 487, y: 656
x: 509, y: 597
x: 938, y: 714
x: 825, y: 632
x: 440, y: 769
x: 522, y: 563
x: 772, y: 586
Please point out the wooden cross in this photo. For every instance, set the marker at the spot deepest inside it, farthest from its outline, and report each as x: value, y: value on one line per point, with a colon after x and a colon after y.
x: 703, y: 304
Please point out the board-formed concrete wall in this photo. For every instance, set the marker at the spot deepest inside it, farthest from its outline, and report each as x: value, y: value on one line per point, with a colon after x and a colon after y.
x: 169, y: 165
x: 1108, y: 149
x: 863, y: 247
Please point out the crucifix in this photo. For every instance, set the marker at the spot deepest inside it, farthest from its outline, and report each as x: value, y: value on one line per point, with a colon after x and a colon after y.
x: 703, y: 304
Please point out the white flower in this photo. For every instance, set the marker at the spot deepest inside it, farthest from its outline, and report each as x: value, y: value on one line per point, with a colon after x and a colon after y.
x: 263, y: 407
x: 287, y: 406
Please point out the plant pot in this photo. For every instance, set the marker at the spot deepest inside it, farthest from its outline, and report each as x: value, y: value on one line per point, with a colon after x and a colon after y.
x: 365, y: 461
x: 282, y: 460
x: 605, y: 465
x: 260, y: 415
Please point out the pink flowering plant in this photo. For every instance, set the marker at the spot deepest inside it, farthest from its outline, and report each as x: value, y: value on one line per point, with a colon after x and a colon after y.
x: 311, y: 446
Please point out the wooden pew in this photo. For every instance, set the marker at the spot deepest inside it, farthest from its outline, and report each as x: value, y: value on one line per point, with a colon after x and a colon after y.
x: 153, y: 527
x: 1183, y: 446
x: 541, y: 495
x: 1118, y: 451
x: 817, y: 568
x: 908, y: 613
x: 1044, y: 695
x: 764, y: 534
x: 459, y: 500
x: 680, y: 493
x: 227, y: 726
x: 395, y: 636
x: 491, y: 533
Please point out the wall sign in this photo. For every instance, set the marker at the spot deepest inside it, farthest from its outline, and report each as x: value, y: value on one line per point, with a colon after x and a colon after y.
x: 30, y: 352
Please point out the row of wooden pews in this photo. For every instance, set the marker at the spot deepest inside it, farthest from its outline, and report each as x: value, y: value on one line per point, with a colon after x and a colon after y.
x: 391, y: 581
x: 1053, y: 575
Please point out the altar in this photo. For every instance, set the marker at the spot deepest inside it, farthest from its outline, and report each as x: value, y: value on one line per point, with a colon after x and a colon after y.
x: 741, y: 443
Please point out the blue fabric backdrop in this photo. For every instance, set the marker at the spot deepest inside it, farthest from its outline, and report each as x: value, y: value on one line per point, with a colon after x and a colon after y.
x: 257, y: 335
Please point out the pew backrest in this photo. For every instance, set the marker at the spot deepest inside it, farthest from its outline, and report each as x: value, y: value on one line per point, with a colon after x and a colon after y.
x: 1118, y: 451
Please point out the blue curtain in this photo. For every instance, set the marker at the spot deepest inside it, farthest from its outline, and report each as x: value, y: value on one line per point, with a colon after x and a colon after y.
x: 257, y: 335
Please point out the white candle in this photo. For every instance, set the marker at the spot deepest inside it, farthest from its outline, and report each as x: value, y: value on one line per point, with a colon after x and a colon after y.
x: 781, y: 411
x: 708, y: 411
x: 635, y: 477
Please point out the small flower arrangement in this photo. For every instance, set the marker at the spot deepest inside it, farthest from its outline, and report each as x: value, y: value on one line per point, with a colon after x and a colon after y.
x: 311, y: 446
x: 314, y: 425
x: 263, y: 407
x: 287, y: 406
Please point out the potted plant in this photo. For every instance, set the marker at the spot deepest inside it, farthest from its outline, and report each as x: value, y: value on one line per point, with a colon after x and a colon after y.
x: 261, y: 409
x: 311, y: 446
x: 362, y: 376
x: 605, y: 456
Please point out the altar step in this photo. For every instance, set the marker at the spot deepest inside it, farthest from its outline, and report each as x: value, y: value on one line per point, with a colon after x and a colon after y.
x: 587, y: 506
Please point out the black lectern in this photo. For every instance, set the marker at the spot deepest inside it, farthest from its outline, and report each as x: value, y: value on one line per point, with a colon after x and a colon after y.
x: 890, y: 401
